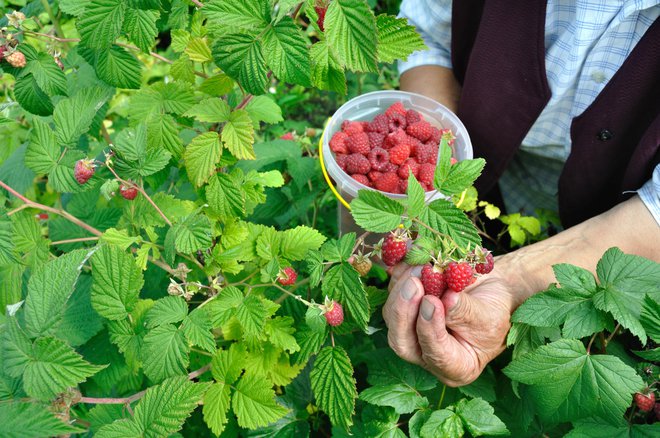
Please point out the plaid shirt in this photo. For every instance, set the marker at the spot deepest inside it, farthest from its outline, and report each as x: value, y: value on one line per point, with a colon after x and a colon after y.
x: 586, y: 42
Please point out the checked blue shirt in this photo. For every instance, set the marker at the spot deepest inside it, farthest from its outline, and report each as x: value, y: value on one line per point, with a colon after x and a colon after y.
x: 586, y: 42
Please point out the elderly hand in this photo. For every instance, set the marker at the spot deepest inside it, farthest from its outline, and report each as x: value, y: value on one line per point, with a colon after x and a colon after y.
x: 453, y: 337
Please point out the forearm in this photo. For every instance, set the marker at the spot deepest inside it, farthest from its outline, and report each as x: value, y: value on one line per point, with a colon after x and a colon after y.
x: 628, y: 226
x: 438, y: 83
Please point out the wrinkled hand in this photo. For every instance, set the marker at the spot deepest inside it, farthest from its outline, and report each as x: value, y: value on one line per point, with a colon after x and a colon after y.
x: 453, y: 337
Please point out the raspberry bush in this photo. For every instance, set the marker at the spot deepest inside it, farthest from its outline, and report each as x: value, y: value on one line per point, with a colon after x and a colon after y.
x: 168, y: 261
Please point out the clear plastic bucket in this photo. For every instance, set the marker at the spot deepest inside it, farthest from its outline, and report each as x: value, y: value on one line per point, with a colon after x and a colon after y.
x: 365, y: 108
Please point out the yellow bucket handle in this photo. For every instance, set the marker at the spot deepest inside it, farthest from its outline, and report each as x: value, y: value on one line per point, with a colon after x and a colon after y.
x: 325, y: 173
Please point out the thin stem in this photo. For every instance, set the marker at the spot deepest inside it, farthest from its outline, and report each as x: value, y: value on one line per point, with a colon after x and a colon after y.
x: 417, y: 221
x: 297, y: 297
x: 609, y: 338
x: 332, y: 338
x: 442, y: 396
x: 591, y: 341
x: 360, y: 240
x: 66, y: 215
x: 16, y: 210
x: 198, y: 3
x: 53, y: 19
x: 79, y: 239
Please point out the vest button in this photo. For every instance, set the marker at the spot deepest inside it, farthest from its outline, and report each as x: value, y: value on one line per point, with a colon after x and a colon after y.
x: 605, y: 135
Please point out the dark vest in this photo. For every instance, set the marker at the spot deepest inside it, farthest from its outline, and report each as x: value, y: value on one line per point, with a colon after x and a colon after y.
x: 498, y: 55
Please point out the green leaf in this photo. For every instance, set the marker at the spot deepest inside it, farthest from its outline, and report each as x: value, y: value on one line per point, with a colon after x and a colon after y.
x: 618, y: 304
x: 339, y: 250
x: 576, y: 278
x: 334, y: 386
x: 327, y: 73
x: 444, y: 217
x: 629, y: 274
x: 416, y: 198
x: 459, y: 177
x: 54, y: 367
x: 140, y: 25
x: 101, y: 23
x: 227, y: 365
x: 16, y: 348
x: 31, y: 420
x: 350, y: 28
x: 651, y: 355
x: 479, y: 418
x: 74, y: 116
x: 117, y: 282
x: 280, y: 333
x: 238, y: 135
x: 254, y: 402
x: 375, y: 212
x: 251, y: 315
x: 386, y: 368
x: 443, y: 423
x: 396, y: 38
x: 594, y: 428
x: 225, y: 196
x: 198, y: 50
x: 248, y: 15
x: 116, y: 66
x: 216, y: 406
x: 49, y: 290
x: 296, y: 242
x: 650, y: 318
x: 315, y: 319
x: 212, y: 110
x: 404, y: 399
x: 119, y: 238
x: 286, y: 52
x: 568, y: 383
x: 192, y: 234
x: 46, y: 72
x: 342, y: 283
x: 197, y: 329
x: 241, y: 57
x: 160, y: 98
x: 201, y: 156
x: 163, y: 131
x: 31, y: 97
x: 80, y: 321
x: 264, y: 109
x: 167, y: 310
x: 165, y: 353
x: 72, y: 7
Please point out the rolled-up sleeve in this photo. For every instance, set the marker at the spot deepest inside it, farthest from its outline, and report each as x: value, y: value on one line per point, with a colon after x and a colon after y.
x: 650, y: 194
x: 433, y: 22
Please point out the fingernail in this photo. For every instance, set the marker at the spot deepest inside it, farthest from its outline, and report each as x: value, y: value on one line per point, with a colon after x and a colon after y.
x: 427, y: 310
x: 416, y: 271
x: 409, y: 289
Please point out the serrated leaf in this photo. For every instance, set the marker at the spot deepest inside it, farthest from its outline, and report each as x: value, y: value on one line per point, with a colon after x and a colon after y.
x: 286, y: 52
x: 31, y: 97
x: 101, y: 23
x: 162, y: 131
x: 479, y: 418
x: 140, y: 25
x: 165, y: 353
x: 416, y: 198
x: 339, y: 250
x: 198, y: 50
x: 249, y: 15
x: 161, y: 98
x: 117, y: 282
x: 327, y: 73
x: 31, y: 420
x: 264, y: 109
x: 192, y: 234
x: 629, y: 274
x: 212, y: 110
x: 459, y: 177
x: 167, y: 310
x: 217, y: 85
x: 444, y: 217
x: 216, y: 406
x: 197, y: 329
x: 342, y: 283
x: 183, y: 70
x: 241, y: 57
x: 225, y: 196
x: 49, y: 290
x: 441, y: 424
x: 74, y: 116
x: 117, y: 237
x: 334, y: 386
x: 238, y: 135
x: 54, y: 367
x: 396, y: 38
x: 118, y: 67
x: 296, y: 242
x: 251, y: 315
x: 376, y: 212
x: 280, y: 333
x: 80, y: 322
x: 403, y: 399
x: 201, y: 156
x: 16, y: 348
x: 650, y: 318
x: 72, y: 7
x: 350, y: 28
x: 618, y: 304
x: 254, y: 402
x: 568, y: 383
x: 46, y: 72
x: 227, y: 365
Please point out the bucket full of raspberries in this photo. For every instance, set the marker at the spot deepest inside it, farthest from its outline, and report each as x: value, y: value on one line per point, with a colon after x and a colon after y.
x: 376, y: 140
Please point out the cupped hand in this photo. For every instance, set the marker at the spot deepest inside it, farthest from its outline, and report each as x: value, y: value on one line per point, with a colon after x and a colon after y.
x: 453, y: 337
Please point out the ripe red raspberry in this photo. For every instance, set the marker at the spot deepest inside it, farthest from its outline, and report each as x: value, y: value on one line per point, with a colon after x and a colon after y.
x: 379, y: 124
x: 128, y: 192
x: 656, y: 409
x: 426, y: 173
x: 425, y: 152
x: 320, y: 11
x: 358, y: 143
x: 413, y: 116
x: 485, y: 266
x: 394, y: 249
x: 350, y: 127
x: 410, y: 165
x: 403, y: 186
x: 391, y: 168
x: 378, y: 158
x: 396, y: 108
x: 399, y: 154
x: 458, y: 276
x: 644, y: 402
x: 83, y: 170
x: 362, y: 264
x: 287, y: 136
x: 420, y: 130
x: 397, y: 121
x: 375, y: 139
x: 436, y: 135
x: 287, y: 276
x: 357, y: 163
x: 374, y: 175
x: 16, y: 59
x: 394, y: 139
x: 338, y: 143
x: 433, y: 280
x: 362, y: 179
x: 388, y: 182
x: 334, y: 314
x: 341, y: 161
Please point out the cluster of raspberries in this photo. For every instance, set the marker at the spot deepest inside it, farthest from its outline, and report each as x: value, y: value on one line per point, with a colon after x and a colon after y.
x: 382, y: 153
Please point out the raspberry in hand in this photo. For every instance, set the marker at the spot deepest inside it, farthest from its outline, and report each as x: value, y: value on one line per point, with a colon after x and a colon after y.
x: 458, y: 276
x: 433, y: 280
x: 394, y: 249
